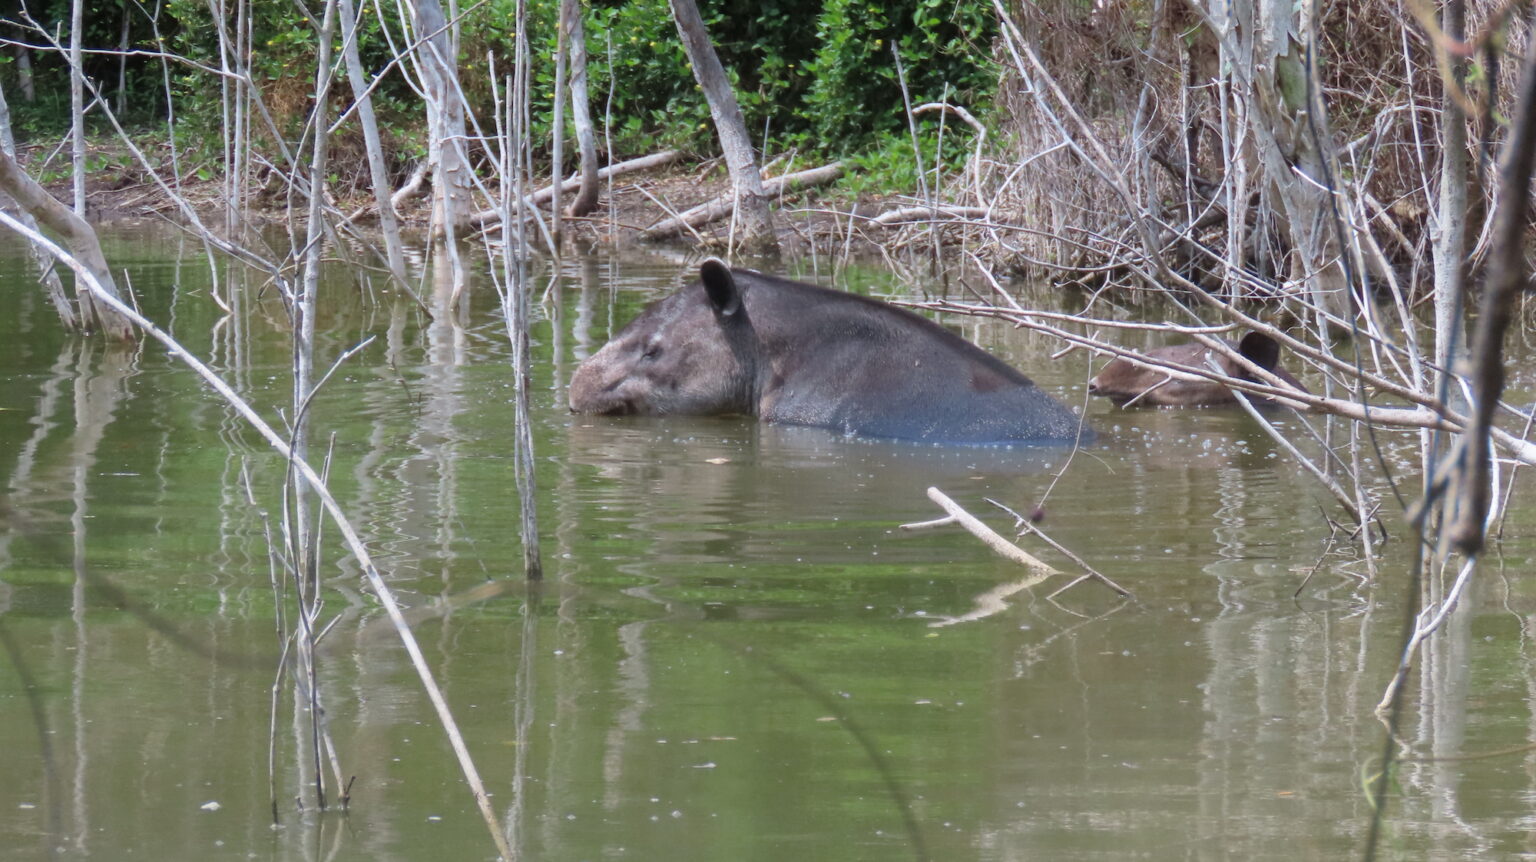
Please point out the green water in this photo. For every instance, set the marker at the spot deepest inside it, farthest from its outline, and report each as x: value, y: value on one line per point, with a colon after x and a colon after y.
x: 736, y: 654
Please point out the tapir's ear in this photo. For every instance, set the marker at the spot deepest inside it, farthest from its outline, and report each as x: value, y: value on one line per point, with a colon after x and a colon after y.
x: 1261, y: 350
x: 720, y: 285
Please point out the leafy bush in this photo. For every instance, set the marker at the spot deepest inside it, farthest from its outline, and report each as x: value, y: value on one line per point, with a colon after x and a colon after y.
x: 944, y: 45
x: 887, y: 161
x: 817, y: 75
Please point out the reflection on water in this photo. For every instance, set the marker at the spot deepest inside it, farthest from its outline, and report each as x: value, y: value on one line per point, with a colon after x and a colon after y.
x: 734, y: 655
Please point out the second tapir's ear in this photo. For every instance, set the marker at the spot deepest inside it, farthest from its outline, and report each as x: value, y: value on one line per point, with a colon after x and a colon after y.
x: 720, y: 286
x: 1260, y: 349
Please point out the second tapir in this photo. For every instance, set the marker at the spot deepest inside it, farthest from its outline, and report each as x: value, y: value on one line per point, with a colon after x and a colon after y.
x: 1125, y: 382
x: 794, y: 353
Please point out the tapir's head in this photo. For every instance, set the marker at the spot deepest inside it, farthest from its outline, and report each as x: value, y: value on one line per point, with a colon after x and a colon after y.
x: 692, y: 353
x: 1123, y: 381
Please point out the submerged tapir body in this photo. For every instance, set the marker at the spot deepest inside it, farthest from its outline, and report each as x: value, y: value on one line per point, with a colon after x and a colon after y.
x: 794, y: 353
x: 1123, y: 381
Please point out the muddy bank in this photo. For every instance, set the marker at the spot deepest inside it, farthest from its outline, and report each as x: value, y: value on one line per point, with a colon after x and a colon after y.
x: 631, y: 207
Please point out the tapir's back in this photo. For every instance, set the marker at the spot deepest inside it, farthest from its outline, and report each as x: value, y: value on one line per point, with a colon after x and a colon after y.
x: 863, y: 367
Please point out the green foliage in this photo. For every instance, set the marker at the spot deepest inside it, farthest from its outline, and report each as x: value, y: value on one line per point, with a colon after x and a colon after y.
x: 817, y: 75
x: 887, y: 162
x: 48, y: 115
x: 944, y: 45
x: 45, y: 117
x: 634, y: 51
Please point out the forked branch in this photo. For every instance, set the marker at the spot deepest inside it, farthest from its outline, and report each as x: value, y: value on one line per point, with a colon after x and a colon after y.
x: 955, y: 514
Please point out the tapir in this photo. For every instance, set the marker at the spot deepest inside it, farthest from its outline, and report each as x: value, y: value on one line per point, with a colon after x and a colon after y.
x: 738, y: 342
x: 1123, y: 381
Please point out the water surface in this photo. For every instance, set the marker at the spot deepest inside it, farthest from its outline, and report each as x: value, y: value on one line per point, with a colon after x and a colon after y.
x: 737, y: 654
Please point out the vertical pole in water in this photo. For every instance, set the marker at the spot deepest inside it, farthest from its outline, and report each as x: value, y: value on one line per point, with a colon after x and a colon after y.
x: 557, y: 133
x: 515, y: 305
x: 77, y: 104
x: 306, y: 535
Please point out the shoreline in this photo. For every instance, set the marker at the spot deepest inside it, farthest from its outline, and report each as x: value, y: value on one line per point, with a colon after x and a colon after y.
x: 628, y: 208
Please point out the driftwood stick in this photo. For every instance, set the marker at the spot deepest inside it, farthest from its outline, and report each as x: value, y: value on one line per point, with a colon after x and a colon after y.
x: 993, y: 601
x: 672, y: 212
x: 1025, y: 526
x: 1093, y: 573
x: 722, y: 206
x: 1428, y: 621
x: 999, y: 545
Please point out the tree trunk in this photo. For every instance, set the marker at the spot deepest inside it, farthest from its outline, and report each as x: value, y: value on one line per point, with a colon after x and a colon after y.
x: 378, y: 173
x: 752, y: 213
x: 516, y: 305
x: 77, y: 234
x: 557, y: 126
x: 586, y: 137
x: 314, y: 240
x: 1505, y: 282
x: 24, y: 74
x: 451, y: 182
x: 77, y: 102
x: 122, y: 62
x: 1263, y: 42
x: 247, y: 99
x: 233, y: 104
x: 53, y: 286
x: 1451, y: 227
x: 305, y: 535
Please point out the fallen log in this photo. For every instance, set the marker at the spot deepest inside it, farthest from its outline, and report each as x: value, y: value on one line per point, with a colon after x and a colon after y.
x: 723, y: 206
x: 927, y: 214
x: 91, y: 313
x: 546, y: 194
x: 412, y: 188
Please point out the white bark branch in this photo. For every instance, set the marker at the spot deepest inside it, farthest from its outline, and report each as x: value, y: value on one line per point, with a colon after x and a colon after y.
x: 721, y: 207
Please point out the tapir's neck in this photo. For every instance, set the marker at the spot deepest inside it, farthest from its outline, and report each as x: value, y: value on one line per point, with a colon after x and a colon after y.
x: 746, y: 348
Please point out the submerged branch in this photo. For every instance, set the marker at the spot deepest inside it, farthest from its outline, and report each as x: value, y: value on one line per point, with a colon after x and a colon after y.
x: 989, y: 537
x: 1000, y: 545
